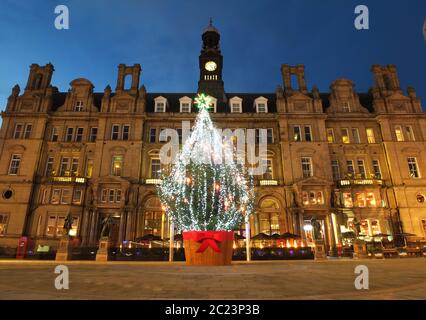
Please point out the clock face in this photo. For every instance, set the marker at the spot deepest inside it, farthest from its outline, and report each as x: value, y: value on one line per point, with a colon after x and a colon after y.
x: 210, y: 66
x: 424, y: 30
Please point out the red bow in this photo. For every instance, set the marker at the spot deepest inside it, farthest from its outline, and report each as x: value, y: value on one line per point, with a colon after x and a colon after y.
x: 209, y: 239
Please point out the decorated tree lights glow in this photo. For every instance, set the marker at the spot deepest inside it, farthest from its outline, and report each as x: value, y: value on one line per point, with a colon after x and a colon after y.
x: 206, y: 191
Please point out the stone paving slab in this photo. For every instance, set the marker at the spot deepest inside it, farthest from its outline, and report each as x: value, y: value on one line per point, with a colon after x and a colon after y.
x: 332, y: 279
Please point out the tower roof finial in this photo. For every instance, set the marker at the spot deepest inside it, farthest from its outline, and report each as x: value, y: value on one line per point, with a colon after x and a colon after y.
x: 210, y: 27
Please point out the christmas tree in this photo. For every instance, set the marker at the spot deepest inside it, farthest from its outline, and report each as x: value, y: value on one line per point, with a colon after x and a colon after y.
x: 205, y: 189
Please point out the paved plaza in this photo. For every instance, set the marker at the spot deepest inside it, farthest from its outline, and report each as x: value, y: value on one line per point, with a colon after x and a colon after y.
x: 332, y: 279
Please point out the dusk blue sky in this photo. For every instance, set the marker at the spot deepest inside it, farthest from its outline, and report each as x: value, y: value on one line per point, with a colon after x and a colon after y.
x: 164, y: 36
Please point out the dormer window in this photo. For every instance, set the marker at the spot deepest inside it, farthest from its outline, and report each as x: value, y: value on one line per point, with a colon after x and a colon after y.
x: 160, y: 104
x: 346, y: 107
x: 185, y: 104
x: 79, y: 106
x: 261, y: 104
x: 213, y: 105
x: 236, y: 105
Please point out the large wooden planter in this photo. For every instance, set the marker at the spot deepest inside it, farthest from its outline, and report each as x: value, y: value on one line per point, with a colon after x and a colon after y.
x: 208, y: 248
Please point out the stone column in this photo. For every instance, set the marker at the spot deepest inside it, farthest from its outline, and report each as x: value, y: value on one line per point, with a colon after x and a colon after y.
x: 93, y: 225
x: 85, y: 228
x: 122, y: 227
x: 330, y: 235
x: 130, y: 225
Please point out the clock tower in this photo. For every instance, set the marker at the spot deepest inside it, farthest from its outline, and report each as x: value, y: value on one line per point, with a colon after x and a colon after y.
x: 211, y: 63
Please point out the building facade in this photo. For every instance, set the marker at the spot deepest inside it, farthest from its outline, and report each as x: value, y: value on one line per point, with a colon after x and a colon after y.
x: 348, y: 161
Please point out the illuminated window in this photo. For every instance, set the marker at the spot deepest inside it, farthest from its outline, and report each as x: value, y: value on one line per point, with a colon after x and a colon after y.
x: 312, y: 198
x: 305, y: 198
x: 409, y: 133
x: 51, y: 226
x: 18, y: 131
x: 398, y: 133
x: 370, y: 135
x: 60, y: 226
x: 152, y: 222
x: 155, y: 169
x: 297, y: 135
x: 365, y: 227
x: 375, y: 227
x: 15, y: 162
x: 3, y: 224
x: 117, y: 165
x: 347, y: 200
x: 371, y: 200
x: 413, y: 168
x: 360, y: 199
x: 320, y: 197
x: 330, y: 135
x: 307, y: 167
x: 355, y: 135
x: 345, y: 135
x: 335, y: 169
x: 55, y: 226
x: 269, y: 223
x: 74, y: 227
x: 89, y: 168
x: 361, y: 168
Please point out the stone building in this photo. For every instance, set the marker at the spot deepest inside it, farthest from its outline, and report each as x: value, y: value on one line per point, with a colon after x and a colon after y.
x: 346, y: 160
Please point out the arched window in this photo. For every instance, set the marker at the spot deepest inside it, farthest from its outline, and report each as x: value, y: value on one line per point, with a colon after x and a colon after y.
x: 154, y: 219
x: 268, y: 216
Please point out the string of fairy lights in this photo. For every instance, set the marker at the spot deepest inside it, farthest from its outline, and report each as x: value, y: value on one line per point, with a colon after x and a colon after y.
x: 203, y: 191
